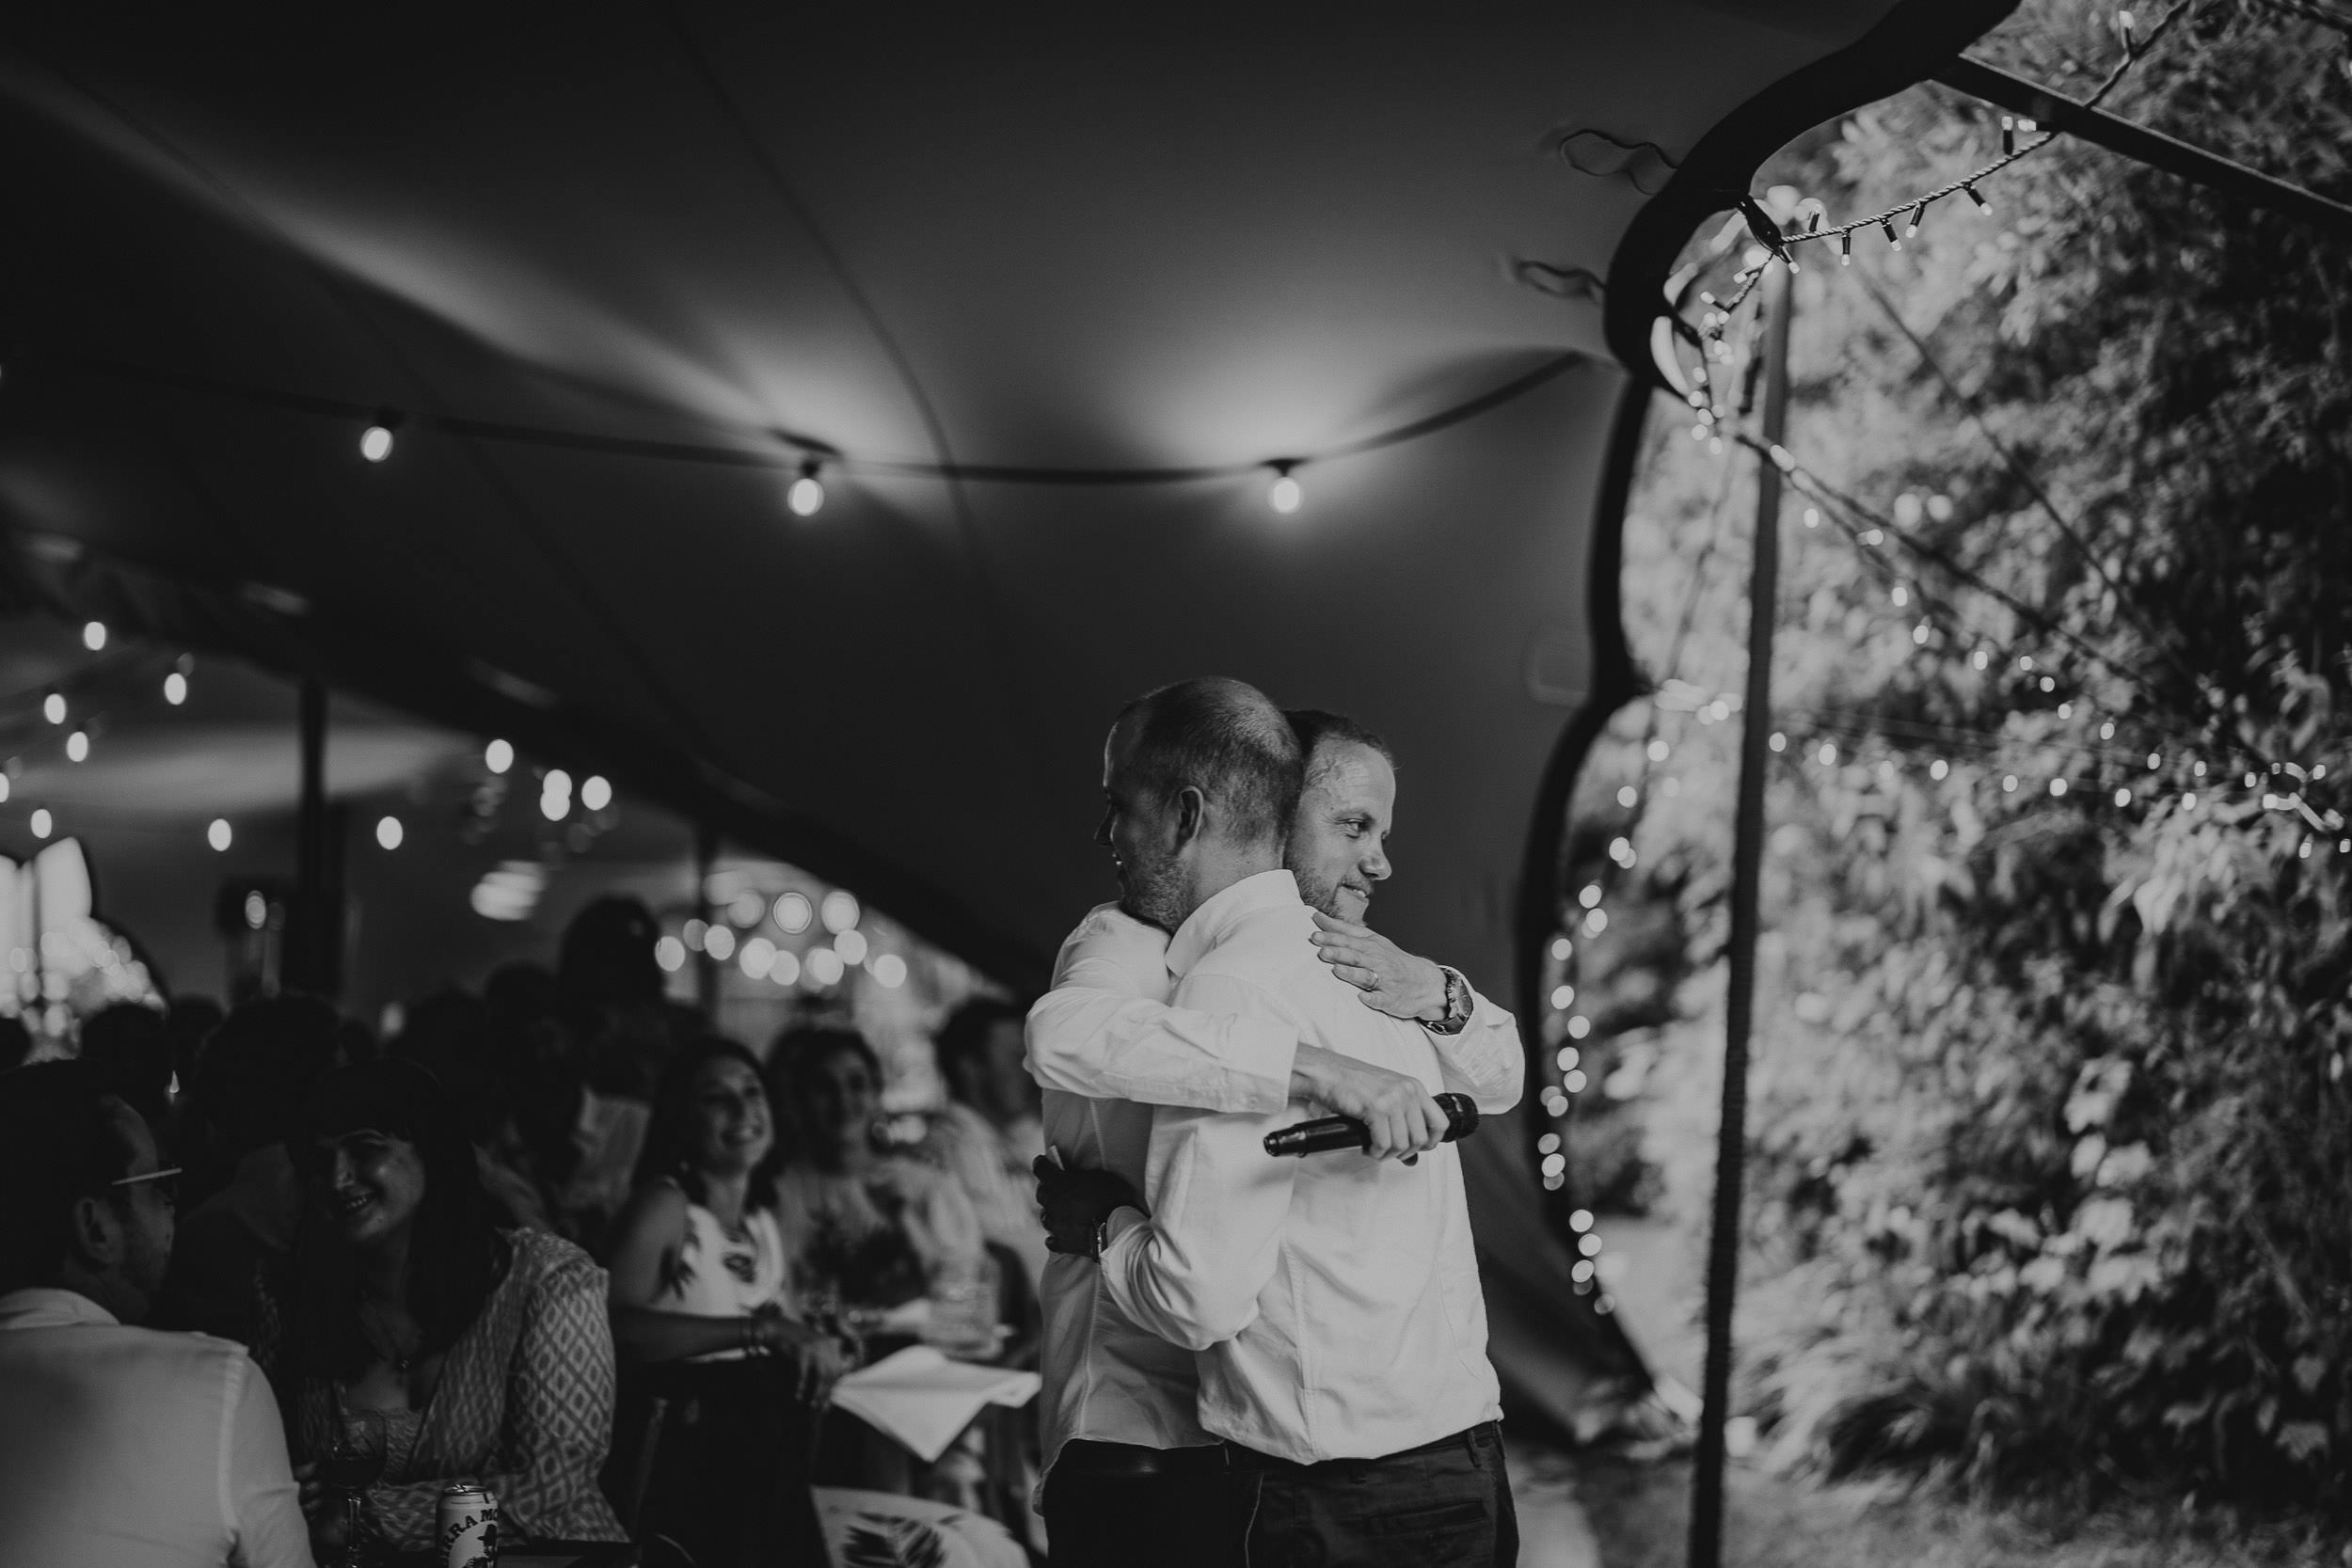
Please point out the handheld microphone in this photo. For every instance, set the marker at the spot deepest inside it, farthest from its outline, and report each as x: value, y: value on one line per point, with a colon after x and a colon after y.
x: 1327, y: 1132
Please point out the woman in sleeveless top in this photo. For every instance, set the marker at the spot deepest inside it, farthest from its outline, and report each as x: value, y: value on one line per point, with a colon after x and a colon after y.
x: 698, y: 1267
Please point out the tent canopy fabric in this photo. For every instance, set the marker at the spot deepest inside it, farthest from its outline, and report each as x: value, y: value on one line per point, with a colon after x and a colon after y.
x: 1049, y: 290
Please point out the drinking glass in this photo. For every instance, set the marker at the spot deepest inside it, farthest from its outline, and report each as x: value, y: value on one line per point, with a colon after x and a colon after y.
x: 353, y: 1461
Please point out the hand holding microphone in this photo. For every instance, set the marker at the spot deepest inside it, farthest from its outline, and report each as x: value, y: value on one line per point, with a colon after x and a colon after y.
x: 1329, y: 1132
x: 1396, y: 1108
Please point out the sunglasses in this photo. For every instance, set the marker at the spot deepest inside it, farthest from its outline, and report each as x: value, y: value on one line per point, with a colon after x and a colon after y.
x: 170, y: 1176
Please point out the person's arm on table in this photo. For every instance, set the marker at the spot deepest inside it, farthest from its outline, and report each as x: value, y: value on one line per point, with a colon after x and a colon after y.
x: 1479, y: 1052
x: 558, y: 1419
x: 258, y: 1491
x: 648, y: 1239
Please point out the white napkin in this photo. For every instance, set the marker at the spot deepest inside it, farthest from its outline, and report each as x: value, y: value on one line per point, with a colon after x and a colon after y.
x: 923, y: 1399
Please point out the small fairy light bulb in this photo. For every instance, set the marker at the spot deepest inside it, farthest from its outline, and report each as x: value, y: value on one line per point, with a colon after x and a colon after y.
x: 388, y: 832
x: 2124, y: 30
x: 2009, y: 136
x: 1917, y: 214
x: 77, y: 746
x: 1284, y: 494
x: 1939, y: 768
x: 1901, y: 596
x: 1845, y: 249
x: 175, y: 689
x: 218, y: 835
x: 1893, y: 240
x: 1983, y: 205
x: 499, y: 756
x: 52, y: 707
x: 375, y: 442
x: 94, y: 636
x: 806, y: 495
x: 44, y: 824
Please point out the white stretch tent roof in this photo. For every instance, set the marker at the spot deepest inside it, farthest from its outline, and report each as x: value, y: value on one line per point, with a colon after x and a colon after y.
x: 1053, y: 285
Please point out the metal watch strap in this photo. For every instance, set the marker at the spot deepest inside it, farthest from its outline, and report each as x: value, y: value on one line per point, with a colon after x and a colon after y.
x: 1458, y: 1006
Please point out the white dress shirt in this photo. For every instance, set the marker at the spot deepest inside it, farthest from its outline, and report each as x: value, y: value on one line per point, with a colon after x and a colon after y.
x: 1102, y: 1031
x: 1334, y: 1298
x: 128, y: 1448
x: 1105, y: 1031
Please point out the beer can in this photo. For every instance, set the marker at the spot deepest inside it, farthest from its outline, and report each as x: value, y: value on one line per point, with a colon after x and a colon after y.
x: 468, y: 1531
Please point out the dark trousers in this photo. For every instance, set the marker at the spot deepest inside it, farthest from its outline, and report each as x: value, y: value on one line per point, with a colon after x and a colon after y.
x: 1444, y: 1505
x: 1101, y: 1512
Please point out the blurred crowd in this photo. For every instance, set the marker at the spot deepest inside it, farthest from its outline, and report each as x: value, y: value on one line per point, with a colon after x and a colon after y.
x: 570, y: 1243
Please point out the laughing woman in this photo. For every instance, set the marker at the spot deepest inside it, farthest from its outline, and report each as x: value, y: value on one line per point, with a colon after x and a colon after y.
x: 487, y: 1352
x: 722, y: 1384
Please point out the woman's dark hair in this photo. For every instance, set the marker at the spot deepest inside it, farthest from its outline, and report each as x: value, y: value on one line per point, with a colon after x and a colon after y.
x: 456, y: 1252
x: 796, y: 1051
x: 668, y: 1149
x: 795, y: 1054
x: 962, y: 1044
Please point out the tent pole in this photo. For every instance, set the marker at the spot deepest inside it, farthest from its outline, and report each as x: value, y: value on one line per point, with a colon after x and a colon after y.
x: 305, y: 966
x: 1747, y: 860
x: 705, y: 967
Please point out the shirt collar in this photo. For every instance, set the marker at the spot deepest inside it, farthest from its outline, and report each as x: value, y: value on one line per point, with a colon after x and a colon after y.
x: 1215, y: 920
x: 47, y: 1307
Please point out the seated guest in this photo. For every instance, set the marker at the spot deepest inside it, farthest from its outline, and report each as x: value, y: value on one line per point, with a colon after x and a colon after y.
x: 119, y: 1447
x: 698, y: 1276
x: 862, y: 1228
x: 253, y: 1074
x: 125, y: 1042
x: 449, y: 1035
x: 486, y: 1351
x: 990, y: 1133
x: 16, y: 1042
x: 698, y: 1267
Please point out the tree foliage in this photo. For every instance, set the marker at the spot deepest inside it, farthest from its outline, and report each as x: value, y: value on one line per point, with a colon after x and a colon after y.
x: 2051, y: 1123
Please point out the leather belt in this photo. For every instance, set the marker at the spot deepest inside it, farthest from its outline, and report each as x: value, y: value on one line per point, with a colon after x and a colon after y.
x: 1083, y: 1456
x: 1466, y: 1440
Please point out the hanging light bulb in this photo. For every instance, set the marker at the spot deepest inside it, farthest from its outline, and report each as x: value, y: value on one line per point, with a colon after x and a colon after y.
x: 388, y: 832
x: 498, y: 756
x: 217, y: 835
x: 1845, y: 249
x: 1888, y: 224
x: 375, y: 442
x: 44, y: 824
x: 1917, y: 213
x: 175, y: 689
x: 807, y: 493
x: 2009, y: 137
x: 94, y: 636
x: 1284, y: 495
x: 595, y: 792
x: 1983, y: 205
x: 77, y: 746
x: 52, y: 707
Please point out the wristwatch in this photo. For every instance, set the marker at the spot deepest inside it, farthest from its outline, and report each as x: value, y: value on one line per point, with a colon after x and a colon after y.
x: 1459, y: 1005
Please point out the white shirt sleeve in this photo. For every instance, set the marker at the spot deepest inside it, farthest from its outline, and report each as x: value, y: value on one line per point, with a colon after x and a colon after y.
x: 1486, y: 1060
x: 1106, y: 1032
x: 1191, y: 1274
x: 258, y: 1492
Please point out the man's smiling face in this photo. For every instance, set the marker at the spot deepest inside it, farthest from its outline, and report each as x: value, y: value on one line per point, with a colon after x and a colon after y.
x: 1338, y: 840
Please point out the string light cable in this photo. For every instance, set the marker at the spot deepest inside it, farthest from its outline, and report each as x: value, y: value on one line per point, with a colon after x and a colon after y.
x: 2019, y: 138
x: 2251, y: 763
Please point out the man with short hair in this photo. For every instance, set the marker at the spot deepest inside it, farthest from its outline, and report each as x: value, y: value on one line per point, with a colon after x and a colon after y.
x: 119, y: 1447
x: 1135, y: 1476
